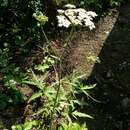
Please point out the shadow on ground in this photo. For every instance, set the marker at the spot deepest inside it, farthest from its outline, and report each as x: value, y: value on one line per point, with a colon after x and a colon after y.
x: 11, y: 108
x: 112, y: 77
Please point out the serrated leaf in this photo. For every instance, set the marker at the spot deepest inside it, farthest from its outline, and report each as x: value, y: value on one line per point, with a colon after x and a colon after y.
x: 29, y: 125
x: 42, y: 68
x: 30, y: 83
x: 35, y: 96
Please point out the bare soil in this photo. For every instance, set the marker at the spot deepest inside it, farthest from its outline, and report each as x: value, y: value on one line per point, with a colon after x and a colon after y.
x: 104, y: 56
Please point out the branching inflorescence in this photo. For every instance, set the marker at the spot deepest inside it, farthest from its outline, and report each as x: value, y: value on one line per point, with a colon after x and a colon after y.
x: 75, y: 16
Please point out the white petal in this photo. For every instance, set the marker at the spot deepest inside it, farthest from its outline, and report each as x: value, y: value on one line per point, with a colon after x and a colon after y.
x: 91, y: 13
x: 60, y: 11
x: 70, y: 6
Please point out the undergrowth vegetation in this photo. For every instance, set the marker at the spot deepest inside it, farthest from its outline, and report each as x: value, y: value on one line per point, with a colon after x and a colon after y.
x: 56, y: 100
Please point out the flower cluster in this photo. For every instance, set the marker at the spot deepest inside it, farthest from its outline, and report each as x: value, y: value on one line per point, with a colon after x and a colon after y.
x: 40, y: 17
x: 75, y: 16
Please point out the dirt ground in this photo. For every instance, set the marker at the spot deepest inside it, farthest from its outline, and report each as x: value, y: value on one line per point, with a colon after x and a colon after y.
x: 104, y: 56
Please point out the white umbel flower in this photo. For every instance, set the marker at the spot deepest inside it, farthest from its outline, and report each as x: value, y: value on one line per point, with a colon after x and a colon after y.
x: 70, y: 12
x: 81, y: 10
x: 73, y: 16
x: 63, y: 22
x: 60, y: 11
x: 92, y: 14
x: 70, y: 6
x: 89, y: 23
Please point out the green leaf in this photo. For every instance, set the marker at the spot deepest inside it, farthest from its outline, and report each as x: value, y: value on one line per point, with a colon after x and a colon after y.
x: 29, y: 125
x: 40, y: 17
x: 42, y: 68
x: 91, y: 97
x: 80, y: 114
x: 36, y: 81
x: 81, y: 103
x: 35, y: 96
x: 30, y: 83
x: 72, y: 126
x: 17, y: 127
x: 87, y: 87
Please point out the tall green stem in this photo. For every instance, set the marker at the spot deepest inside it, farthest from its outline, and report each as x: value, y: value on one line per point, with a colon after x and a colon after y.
x: 57, y: 94
x: 46, y: 38
x: 69, y: 37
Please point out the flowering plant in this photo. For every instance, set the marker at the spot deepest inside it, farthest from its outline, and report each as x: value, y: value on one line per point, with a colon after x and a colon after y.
x: 75, y: 16
x: 40, y: 17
